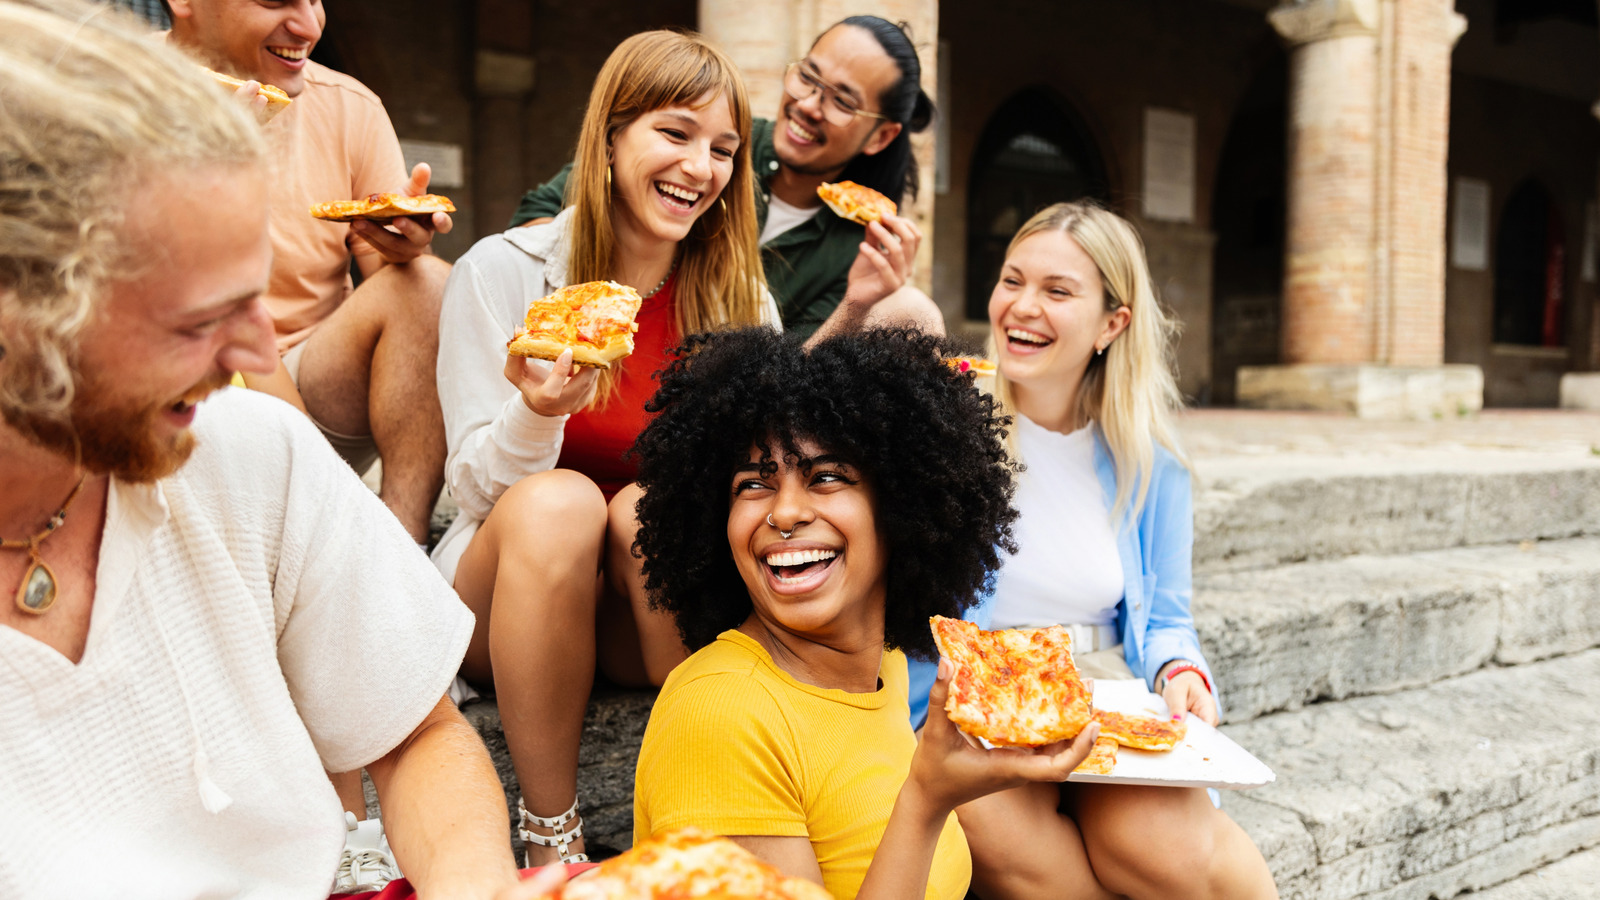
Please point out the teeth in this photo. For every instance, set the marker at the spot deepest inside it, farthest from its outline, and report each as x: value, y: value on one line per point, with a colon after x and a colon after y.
x: 800, y: 557
x: 673, y: 190
x: 286, y: 53
x: 801, y: 132
x: 1017, y: 334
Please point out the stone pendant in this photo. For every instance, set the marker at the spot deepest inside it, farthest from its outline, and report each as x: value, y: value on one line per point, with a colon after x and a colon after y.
x: 37, y: 593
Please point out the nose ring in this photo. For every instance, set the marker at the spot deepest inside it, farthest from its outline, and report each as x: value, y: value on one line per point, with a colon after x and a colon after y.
x: 781, y: 532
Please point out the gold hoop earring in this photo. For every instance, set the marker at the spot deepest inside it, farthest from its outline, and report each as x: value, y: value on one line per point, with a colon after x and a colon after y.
x: 608, y: 176
x: 722, y: 202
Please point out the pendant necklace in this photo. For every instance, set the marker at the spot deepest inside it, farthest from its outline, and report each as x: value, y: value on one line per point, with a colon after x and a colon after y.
x: 663, y: 283
x: 37, y: 592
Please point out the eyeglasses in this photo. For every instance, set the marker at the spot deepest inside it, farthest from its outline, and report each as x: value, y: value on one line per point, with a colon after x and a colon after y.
x: 801, y: 81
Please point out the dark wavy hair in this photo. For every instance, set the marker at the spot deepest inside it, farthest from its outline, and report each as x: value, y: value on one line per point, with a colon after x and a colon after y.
x: 929, y: 443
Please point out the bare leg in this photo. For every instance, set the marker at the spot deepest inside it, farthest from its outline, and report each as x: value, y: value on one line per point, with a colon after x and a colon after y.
x: 351, y: 795
x: 908, y: 307
x: 369, y: 369
x: 630, y: 631
x: 1156, y: 842
x: 1023, y: 849
x: 530, y: 577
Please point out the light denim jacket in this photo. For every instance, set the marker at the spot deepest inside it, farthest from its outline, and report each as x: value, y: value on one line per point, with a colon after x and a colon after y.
x: 1157, y: 552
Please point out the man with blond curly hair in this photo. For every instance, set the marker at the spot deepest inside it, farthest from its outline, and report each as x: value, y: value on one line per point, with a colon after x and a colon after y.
x: 195, y: 584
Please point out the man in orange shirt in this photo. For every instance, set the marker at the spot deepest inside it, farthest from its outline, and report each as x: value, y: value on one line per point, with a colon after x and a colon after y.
x: 362, y: 359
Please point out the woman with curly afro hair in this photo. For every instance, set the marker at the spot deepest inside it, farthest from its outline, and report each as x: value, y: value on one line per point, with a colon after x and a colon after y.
x: 804, y: 512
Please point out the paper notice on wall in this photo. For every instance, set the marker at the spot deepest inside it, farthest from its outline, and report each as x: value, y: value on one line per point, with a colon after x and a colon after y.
x: 443, y: 159
x: 1169, y: 177
x: 1469, y: 225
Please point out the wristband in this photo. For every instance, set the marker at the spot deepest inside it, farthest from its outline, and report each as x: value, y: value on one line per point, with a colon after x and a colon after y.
x: 1185, y: 666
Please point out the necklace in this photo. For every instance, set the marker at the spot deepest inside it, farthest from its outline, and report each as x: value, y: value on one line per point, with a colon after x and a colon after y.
x: 664, y: 279
x: 37, y: 592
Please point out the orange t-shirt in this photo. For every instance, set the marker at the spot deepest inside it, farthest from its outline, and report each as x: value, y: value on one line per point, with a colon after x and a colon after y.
x: 595, y: 440
x: 335, y: 142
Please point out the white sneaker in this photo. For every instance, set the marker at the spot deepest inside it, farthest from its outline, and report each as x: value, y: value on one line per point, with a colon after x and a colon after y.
x: 366, y: 863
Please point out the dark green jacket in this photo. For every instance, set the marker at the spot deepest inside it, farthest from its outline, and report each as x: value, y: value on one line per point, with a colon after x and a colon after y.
x: 807, y: 266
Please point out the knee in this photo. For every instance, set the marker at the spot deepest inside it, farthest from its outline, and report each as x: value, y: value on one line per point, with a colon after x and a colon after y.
x: 1157, y: 840
x: 622, y: 517
x: 562, y: 508
x: 415, y: 291
x: 909, y: 307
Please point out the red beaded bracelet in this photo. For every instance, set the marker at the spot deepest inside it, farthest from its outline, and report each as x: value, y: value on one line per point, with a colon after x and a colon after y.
x: 1186, y: 667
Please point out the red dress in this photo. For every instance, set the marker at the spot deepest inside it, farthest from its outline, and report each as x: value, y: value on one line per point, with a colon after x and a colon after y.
x: 596, y: 438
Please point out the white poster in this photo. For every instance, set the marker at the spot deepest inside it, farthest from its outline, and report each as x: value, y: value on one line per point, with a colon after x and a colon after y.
x: 443, y: 159
x: 1169, y: 165
x: 1469, y: 227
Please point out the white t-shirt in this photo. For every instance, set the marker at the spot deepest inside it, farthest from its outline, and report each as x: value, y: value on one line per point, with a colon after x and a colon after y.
x: 1067, y: 570
x: 781, y: 217
x: 259, y: 616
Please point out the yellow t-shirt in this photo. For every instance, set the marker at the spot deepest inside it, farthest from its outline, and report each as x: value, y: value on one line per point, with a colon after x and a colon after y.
x: 735, y: 745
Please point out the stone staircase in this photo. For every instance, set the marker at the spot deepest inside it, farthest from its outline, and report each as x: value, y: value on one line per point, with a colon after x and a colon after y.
x: 1405, y: 624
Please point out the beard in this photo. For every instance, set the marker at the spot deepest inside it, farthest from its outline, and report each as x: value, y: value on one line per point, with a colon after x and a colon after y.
x: 119, y: 436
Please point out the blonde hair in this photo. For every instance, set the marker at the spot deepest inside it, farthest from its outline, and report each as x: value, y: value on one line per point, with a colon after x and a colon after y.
x: 1130, y: 391
x: 720, y: 282
x: 89, y: 107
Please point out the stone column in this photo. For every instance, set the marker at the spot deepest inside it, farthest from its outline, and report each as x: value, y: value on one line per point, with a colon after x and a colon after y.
x: 1363, y: 294
x: 764, y: 36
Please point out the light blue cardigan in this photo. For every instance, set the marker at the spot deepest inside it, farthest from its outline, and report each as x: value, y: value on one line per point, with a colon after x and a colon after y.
x: 1157, y: 554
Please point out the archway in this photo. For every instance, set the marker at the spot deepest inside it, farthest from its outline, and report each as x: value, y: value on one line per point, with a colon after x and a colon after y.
x: 1034, y: 151
x: 1249, y: 213
x: 1529, y: 269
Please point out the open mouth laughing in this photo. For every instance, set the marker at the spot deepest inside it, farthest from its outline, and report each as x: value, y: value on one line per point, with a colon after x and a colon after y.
x: 677, y: 197
x: 793, y: 567
x: 1025, y: 340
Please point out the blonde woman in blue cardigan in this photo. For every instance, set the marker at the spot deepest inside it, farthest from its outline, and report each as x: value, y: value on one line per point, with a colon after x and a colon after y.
x: 1106, y: 534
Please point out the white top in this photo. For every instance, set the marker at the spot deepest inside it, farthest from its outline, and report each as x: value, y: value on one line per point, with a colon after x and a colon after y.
x: 259, y: 616
x: 1068, y: 570
x: 494, y: 440
x: 782, y: 216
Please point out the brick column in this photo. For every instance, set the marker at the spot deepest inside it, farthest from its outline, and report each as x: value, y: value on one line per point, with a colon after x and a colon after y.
x: 764, y: 36
x: 1363, y: 293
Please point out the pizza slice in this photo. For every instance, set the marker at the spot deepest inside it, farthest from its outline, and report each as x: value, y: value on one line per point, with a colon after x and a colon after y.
x: 1140, y: 732
x: 382, y: 207
x: 974, y: 364
x: 1102, y: 760
x: 856, y: 202
x: 277, y: 100
x: 688, y: 863
x: 594, y: 319
x: 1013, y: 688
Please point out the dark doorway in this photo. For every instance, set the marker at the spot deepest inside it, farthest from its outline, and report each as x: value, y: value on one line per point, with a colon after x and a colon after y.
x: 1035, y: 151
x: 1249, y: 213
x: 1529, y: 270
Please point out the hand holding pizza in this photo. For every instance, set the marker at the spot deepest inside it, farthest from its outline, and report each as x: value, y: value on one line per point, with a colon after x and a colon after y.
x: 405, y: 239
x: 553, y: 390
x: 951, y: 768
x: 883, y: 264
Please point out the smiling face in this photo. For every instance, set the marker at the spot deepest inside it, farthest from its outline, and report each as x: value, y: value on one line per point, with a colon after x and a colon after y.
x: 1048, y: 313
x: 181, y: 326
x: 670, y: 165
x: 852, y: 60
x: 264, y: 40
x: 827, y: 581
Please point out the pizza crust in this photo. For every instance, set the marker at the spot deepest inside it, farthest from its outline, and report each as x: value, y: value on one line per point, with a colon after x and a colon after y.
x: 856, y: 202
x: 593, y: 319
x: 382, y: 207
x: 277, y: 100
x: 1013, y: 688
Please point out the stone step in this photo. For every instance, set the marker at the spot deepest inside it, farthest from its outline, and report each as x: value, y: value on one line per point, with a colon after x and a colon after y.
x: 1283, y: 637
x: 1430, y: 792
x: 1256, y: 512
x: 1576, y: 876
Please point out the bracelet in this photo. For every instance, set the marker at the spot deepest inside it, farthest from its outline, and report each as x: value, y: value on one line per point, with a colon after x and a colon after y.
x: 1185, y: 666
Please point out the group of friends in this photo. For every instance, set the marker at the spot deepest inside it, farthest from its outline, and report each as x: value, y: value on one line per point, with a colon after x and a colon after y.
x: 217, y: 626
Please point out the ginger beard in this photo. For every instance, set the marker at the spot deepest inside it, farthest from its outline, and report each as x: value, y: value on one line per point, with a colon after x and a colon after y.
x: 121, y: 436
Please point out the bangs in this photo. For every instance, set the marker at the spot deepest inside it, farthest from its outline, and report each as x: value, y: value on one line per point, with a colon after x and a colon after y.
x: 673, y: 71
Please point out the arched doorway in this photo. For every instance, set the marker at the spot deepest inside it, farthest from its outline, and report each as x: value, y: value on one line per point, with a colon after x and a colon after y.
x: 1529, y: 270
x: 1035, y: 151
x: 1249, y: 213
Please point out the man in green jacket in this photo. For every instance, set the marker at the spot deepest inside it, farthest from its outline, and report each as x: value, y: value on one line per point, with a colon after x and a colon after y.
x: 847, y: 113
